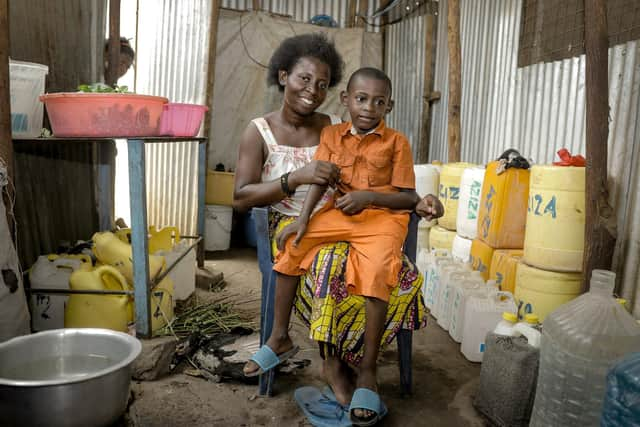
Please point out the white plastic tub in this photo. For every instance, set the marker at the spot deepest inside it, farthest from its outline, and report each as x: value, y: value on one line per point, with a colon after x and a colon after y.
x: 217, y: 233
x: 26, y: 84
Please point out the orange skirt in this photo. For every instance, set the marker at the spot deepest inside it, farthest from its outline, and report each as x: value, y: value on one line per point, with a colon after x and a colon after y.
x: 375, y: 258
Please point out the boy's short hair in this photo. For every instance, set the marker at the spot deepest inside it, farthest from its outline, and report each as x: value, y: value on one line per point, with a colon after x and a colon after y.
x: 314, y: 45
x: 370, y: 73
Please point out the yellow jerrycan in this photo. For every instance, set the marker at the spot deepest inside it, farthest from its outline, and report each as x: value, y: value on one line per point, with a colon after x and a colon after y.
x: 161, y: 304
x: 163, y: 239
x: 110, y: 250
x: 98, y: 311
x: 124, y: 234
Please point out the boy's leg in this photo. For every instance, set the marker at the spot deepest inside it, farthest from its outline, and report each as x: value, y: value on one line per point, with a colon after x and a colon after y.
x: 279, y: 340
x: 376, y: 314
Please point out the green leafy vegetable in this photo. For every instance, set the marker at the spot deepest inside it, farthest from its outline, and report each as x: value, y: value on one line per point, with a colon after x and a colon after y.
x: 103, y: 88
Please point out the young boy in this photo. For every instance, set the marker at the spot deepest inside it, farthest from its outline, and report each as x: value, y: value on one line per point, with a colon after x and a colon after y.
x: 370, y: 209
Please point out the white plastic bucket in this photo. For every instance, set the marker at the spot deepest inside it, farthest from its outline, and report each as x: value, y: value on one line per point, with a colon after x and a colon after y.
x: 217, y: 233
x: 183, y: 274
x: 26, y: 85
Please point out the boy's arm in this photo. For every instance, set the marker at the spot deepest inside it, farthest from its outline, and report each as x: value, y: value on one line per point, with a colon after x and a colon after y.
x: 355, y: 201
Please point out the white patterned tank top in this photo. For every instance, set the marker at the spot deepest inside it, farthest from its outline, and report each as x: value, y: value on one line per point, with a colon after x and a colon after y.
x: 282, y: 159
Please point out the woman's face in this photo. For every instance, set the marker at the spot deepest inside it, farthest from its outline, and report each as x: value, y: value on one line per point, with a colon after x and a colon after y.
x: 305, y: 87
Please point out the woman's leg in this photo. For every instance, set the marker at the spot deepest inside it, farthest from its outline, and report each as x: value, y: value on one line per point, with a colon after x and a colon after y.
x: 279, y: 340
x: 338, y: 374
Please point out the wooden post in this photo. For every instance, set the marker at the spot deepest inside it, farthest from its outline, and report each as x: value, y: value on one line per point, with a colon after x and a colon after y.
x: 363, y: 5
x: 351, y: 14
x: 384, y: 21
x: 455, y: 89
x: 600, y: 219
x: 256, y: 5
x: 211, y: 77
x: 430, y: 34
x: 6, y: 146
x: 111, y: 76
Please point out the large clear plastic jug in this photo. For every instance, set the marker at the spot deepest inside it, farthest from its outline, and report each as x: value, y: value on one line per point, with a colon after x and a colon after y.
x: 432, y: 285
x: 447, y: 295
x: 581, y: 341
x: 473, y: 286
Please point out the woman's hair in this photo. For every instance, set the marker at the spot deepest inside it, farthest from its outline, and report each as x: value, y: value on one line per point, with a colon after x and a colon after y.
x: 125, y: 48
x: 315, y: 45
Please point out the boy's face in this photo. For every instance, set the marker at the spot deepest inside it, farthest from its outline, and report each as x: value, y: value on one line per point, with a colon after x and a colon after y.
x: 368, y: 100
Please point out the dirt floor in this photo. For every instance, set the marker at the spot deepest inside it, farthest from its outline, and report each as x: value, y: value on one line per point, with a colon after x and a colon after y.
x: 444, y: 382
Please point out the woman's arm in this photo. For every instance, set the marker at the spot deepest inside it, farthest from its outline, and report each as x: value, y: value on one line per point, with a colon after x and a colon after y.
x: 251, y: 191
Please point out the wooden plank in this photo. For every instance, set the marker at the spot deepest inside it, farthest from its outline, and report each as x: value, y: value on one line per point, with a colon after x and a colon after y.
x: 111, y: 76
x: 211, y: 68
x: 6, y: 148
x: 455, y: 85
x: 363, y: 6
x: 351, y: 14
x: 429, y: 54
x: 600, y: 218
x: 256, y: 4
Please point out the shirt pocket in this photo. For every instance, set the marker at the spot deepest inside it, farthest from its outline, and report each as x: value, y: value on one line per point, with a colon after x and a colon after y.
x: 345, y: 163
x: 379, y: 169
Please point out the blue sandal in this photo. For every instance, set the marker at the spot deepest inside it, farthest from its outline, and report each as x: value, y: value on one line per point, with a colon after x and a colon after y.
x: 320, y: 408
x: 366, y: 399
x: 267, y: 359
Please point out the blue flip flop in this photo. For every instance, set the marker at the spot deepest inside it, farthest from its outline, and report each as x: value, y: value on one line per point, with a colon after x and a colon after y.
x: 363, y: 398
x: 267, y: 359
x: 320, y: 409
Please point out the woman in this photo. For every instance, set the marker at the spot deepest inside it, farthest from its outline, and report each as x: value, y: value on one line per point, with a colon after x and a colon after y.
x: 274, y: 168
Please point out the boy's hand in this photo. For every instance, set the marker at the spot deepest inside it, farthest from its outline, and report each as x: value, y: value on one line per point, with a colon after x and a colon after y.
x: 299, y: 227
x: 430, y: 207
x: 316, y: 172
x: 353, y: 202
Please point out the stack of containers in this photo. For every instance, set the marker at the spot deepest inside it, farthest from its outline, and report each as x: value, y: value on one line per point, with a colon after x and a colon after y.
x: 442, y: 235
x: 467, y: 216
x: 549, y: 273
x: 502, y: 216
x: 427, y: 181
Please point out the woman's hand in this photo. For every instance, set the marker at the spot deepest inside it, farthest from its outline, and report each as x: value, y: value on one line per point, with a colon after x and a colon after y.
x: 430, y: 207
x: 299, y: 226
x: 316, y: 172
x: 353, y: 202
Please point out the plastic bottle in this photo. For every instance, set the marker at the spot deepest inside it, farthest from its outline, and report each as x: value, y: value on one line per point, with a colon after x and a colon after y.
x: 581, y: 341
x: 509, y: 373
x: 621, y: 403
x: 481, y: 316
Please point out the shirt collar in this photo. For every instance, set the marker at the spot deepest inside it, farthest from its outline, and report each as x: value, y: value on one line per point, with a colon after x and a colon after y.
x: 378, y: 130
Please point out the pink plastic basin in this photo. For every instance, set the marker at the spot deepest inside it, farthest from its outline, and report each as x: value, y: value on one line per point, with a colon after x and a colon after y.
x: 103, y: 114
x: 181, y: 119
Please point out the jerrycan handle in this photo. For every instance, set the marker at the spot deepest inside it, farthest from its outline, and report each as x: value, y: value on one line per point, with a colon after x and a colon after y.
x: 498, y: 295
x: 532, y: 335
x: 108, y: 270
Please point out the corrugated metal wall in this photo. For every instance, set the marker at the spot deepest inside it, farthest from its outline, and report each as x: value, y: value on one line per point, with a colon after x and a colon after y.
x: 539, y: 109
x: 173, y: 45
x: 404, y: 59
x: 172, y: 50
x: 304, y: 10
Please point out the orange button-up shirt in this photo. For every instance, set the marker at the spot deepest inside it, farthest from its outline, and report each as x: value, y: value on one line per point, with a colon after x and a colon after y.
x: 379, y: 161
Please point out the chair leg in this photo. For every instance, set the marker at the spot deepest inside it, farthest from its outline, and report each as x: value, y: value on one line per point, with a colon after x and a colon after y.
x: 267, y: 380
x: 404, y: 338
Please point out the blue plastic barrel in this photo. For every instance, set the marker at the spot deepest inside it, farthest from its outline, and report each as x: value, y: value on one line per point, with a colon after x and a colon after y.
x: 622, y: 399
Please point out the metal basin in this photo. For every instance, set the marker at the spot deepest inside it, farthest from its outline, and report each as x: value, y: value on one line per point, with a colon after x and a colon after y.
x: 66, y: 377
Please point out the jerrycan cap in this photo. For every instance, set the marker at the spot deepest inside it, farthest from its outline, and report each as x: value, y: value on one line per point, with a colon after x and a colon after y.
x: 509, y: 317
x: 531, y: 318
